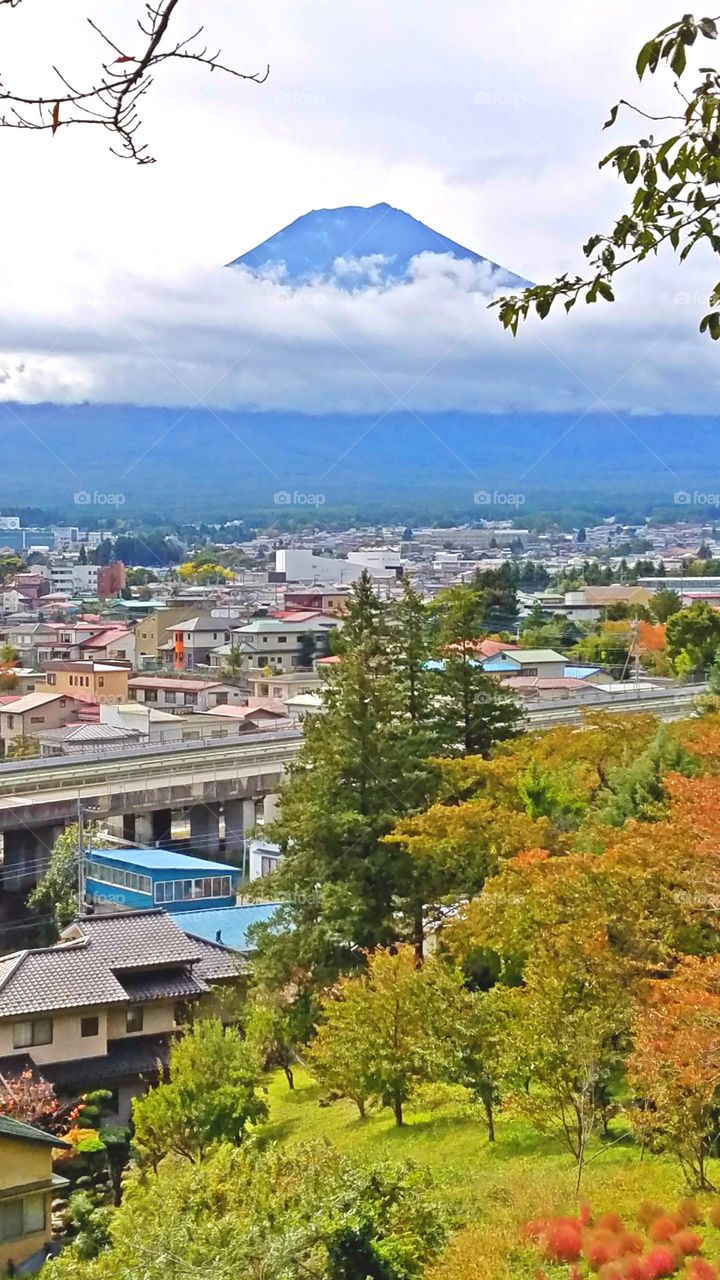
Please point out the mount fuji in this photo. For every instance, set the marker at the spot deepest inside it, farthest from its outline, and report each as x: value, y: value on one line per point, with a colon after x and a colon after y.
x: 355, y: 247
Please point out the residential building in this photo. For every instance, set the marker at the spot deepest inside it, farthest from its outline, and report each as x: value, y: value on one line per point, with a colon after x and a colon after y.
x: 84, y: 739
x: 157, y: 726
x: 194, y: 640
x: 262, y: 716
x: 545, y: 663
x: 280, y: 685
x: 180, y: 695
x: 92, y: 581
x: 91, y: 681
x: 319, y: 600
x: 27, y: 1188
x: 98, y: 1010
x: 111, y: 644
x: 30, y: 715
x: 141, y: 878
x: 283, y: 644
x: 155, y: 631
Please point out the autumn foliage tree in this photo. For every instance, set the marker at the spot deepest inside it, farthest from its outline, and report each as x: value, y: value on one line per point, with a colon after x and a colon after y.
x: 675, y: 1065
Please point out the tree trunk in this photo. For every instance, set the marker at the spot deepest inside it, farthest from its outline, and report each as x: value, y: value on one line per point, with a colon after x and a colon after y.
x: 398, y: 1108
x: 289, y: 1075
x: 490, y: 1119
x: 360, y: 1104
x: 419, y: 936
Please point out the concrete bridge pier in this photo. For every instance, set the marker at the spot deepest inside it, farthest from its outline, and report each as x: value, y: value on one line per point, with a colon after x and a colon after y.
x: 271, y: 807
x: 239, y: 822
x: 26, y: 852
x: 205, y: 830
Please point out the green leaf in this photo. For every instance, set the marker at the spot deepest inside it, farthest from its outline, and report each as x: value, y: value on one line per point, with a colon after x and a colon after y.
x: 612, y: 117
x: 647, y: 55
x: 708, y: 26
x: 678, y: 57
x: 605, y: 291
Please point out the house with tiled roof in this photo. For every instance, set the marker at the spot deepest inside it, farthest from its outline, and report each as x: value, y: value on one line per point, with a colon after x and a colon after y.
x: 27, y: 1187
x: 99, y: 1009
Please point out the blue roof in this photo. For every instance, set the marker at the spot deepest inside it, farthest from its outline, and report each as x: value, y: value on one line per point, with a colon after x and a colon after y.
x: 233, y: 923
x: 160, y: 860
x: 577, y: 673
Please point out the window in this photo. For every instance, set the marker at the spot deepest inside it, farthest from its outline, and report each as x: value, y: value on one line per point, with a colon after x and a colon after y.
x: 11, y: 1219
x: 282, y: 639
x: 218, y: 733
x: 192, y: 890
x: 170, y: 697
x: 51, y: 677
x: 267, y: 865
x: 190, y: 699
x: 101, y: 681
x: 134, y: 1019
x: 220, y: 699
x: 89, y: 1027
x: 11, y: 722
x: 151, y: 695
x: 27, y: 1034
x: 115, y: 876
x: 530, y: 671
x: 37, y: 719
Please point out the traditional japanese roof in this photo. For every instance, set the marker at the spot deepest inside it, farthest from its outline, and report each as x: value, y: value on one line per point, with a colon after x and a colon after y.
x: 22, y: 1132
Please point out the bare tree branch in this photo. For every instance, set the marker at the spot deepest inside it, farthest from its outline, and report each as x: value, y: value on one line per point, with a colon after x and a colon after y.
x: 113, y: 98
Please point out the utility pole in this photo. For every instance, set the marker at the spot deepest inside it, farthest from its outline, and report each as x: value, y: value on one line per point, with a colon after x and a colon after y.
x: 81, y: 856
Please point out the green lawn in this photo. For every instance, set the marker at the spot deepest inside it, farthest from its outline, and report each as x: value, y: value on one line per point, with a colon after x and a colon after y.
x: 490, y: 1188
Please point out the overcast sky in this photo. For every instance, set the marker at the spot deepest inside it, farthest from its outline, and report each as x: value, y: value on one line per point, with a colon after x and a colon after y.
x: 482, y: 120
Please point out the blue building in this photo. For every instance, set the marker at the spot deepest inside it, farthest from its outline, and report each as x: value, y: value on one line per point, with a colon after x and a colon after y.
x: 141, y: 878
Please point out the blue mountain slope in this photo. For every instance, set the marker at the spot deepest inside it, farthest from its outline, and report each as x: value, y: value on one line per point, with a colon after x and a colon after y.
x: 310, y: 247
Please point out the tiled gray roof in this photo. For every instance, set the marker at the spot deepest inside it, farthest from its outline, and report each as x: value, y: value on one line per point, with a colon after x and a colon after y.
x: 65, y: 977
x: 164, y: 986
x: 137, y: 939
x: 217, y: 962
x: 126, y: 1059
x: 94, y: 965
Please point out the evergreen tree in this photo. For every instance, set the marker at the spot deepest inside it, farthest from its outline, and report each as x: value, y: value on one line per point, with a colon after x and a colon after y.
x: 476, y: 711
x: 361, y: 768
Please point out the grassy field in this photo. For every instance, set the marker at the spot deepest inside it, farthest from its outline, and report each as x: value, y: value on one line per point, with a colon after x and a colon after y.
x: 489, y: 1188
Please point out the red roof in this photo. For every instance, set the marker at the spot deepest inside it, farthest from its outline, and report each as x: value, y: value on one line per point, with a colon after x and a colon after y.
x: 295, y: 615
x: 103, y: 638
x: 334, y: 658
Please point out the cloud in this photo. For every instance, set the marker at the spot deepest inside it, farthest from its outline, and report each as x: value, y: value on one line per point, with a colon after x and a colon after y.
x: 229, y: 340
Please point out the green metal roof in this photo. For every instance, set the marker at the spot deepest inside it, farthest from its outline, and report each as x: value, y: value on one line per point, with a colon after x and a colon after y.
x: 10, y: 1128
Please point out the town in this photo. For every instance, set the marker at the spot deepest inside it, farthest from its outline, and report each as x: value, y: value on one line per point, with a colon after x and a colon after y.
x: 359, y: 641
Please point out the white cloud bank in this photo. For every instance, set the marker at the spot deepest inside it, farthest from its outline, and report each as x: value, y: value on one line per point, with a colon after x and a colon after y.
x: 227, y: 339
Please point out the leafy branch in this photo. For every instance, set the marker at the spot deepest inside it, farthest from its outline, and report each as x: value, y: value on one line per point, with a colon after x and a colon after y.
x: 675, y: 181
x: 113, y: 97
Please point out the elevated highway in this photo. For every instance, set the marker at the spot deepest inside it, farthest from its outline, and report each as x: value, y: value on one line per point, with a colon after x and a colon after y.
x: 135, y: 792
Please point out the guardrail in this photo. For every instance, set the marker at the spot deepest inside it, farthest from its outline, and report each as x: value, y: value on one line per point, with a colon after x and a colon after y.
x: 29, y: 776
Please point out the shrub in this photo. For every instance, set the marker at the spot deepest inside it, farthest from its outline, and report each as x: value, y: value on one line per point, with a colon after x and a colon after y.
x: 686, y: 1241
x: 660, y: 1261
x: 562, y: 1240
x: 663, y: 1229
x: 648, y: 1212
